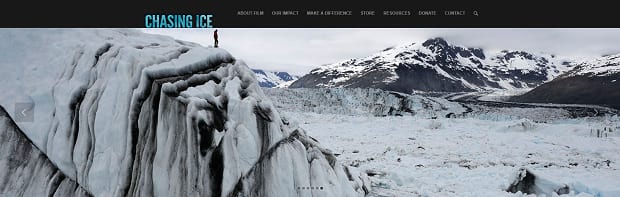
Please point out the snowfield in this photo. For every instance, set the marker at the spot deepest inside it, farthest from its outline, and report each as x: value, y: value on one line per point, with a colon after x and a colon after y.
x: 480, y: 150
x: 412, y: 156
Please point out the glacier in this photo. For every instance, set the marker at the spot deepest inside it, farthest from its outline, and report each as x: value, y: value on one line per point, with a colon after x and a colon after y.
x: 123, y: 113
x: 361, y: 101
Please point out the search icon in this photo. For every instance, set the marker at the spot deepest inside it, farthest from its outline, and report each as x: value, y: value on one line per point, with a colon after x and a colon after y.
x: 475, y: 13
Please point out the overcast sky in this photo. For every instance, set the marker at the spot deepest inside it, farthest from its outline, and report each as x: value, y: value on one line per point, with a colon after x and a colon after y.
x: 300, y: 50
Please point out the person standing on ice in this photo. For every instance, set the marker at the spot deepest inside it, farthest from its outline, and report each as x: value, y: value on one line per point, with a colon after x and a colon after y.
x: 215, y: 37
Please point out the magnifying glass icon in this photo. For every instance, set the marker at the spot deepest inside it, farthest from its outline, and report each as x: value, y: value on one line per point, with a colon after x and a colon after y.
x: 475, y: 13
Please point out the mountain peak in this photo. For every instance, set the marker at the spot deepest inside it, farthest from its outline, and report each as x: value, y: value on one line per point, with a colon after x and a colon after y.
x: 441, y: 46
x: 436, y: 41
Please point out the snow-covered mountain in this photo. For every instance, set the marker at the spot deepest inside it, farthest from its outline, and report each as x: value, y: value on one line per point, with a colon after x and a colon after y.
x: 123, y: 113
x: 436, y: 65
x: 270, y: 79
x: 599, y: 67
x: 594, y: 81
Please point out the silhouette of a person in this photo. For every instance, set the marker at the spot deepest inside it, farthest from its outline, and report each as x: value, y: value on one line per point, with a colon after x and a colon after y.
x: 215, y: 37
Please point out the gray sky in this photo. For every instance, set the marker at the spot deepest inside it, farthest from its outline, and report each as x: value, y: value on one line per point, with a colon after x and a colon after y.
x: 300, y: 50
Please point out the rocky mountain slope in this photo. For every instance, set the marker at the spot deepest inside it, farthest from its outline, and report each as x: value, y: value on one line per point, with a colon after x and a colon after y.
x: 591, y: 82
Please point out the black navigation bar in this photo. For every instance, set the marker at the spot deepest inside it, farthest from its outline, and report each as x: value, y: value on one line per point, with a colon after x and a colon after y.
x: 316, y: 13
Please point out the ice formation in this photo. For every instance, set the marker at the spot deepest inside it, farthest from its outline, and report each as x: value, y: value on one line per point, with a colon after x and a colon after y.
x: 122, y: 113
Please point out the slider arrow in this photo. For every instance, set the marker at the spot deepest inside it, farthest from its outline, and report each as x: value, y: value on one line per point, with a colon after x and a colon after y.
x: 24, y: 112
